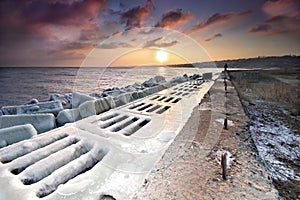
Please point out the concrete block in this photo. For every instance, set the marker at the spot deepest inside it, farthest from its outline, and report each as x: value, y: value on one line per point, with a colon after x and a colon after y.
x: 41, y: 122
x: 68, y: 116
x: 16, y: 134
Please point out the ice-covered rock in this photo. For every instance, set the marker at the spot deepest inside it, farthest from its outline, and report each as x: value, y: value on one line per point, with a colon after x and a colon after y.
x: 16, y: 134
x: 41, y: 122
x: 154, y: 81
x: 194, y: 77
x: 104, y: 104
x: 31, y: 101
x: 42, y: 107
x: 124, y: 98
x: 87, y: 109
x: 177, y: 80
x: 114, y: 92
x: 79, y: 98
x: 138, y: 86
x: 68, y: 116
x: 65, y: 99
x: 9, y: 110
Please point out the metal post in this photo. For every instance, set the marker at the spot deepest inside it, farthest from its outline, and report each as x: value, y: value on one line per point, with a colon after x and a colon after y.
x: 224, y: 165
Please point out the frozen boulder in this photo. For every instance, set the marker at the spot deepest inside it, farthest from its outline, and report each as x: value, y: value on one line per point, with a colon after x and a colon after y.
x: 31, y: 101
x: 79, y: 98
x: 195, y: 76
x: 65, y: 99
x: 138, y: 86
x: 160, y: 79
x: 41, y: 122
x: 96, y: 95
x: 125, y: 98
x: 104, y: 104
x: 42, y: 107
x: 68, y: 116
x: 114, y: 92
x: 87, y: 109
x: 16, y: 134
x: 9, y: 110
x: 154, y: 81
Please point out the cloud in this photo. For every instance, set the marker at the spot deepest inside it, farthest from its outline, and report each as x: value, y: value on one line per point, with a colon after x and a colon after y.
x: 260, y: 28
x: 173, y: 18
x: 219, y: 18
x: 59, y: 12
x: 114, y: 45
x: 156, y: 43
x: 134, y: 17
x: 281, y: 8
x: 283, y: 16
x: 213, y: 37
x: 36, y: 31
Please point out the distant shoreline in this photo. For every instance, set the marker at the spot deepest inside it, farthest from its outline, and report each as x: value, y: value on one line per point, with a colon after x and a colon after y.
x: 264, y: 62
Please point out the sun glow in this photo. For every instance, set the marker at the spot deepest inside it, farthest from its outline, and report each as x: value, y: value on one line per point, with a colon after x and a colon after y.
x: 161, y: 55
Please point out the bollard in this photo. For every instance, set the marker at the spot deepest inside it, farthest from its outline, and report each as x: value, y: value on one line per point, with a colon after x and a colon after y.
x: 224, y: 165
x: 225, y: 67
x: 225, y: 123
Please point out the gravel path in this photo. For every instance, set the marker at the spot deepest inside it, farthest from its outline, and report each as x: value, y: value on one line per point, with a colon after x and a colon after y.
x: 190, y: 167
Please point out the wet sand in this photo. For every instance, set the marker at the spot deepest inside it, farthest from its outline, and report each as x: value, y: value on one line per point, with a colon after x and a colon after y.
x: 190, y: 167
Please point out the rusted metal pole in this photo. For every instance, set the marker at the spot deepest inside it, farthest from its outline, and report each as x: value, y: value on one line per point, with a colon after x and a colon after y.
x: 225, y: 123
x: 224, y: 165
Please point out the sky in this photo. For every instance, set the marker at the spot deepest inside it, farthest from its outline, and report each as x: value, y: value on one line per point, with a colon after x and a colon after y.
x: 144, y: 32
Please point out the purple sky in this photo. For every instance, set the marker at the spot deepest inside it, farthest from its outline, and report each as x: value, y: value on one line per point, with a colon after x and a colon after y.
x: 63, y: 32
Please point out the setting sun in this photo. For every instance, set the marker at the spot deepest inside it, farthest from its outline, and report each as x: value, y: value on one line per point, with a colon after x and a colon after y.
x: 161, y: 56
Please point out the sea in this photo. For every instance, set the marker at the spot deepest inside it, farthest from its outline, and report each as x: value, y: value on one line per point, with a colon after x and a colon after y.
x: 20, y: 84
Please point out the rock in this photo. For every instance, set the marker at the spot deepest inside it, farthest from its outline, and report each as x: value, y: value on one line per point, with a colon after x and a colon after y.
x: 31, y: 101
x: 1, y: 113
x: 68, y: 116
x: 125, y: 98
x: 65, y: 99
x: 160, y: 79
x: 129, y: 88
x: 154, y: 81
x: 16, y: 134
x: 42, y: 107
x: 97, y: 96
x: 87, y: 109
x: 79, y: 98
x: 9, y: 110
x: 112, y: 92
x: 101, y: 106
x: 41, y: 122
x: 98, y: 106
x: 138, y: 86
x: 195, y: 76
